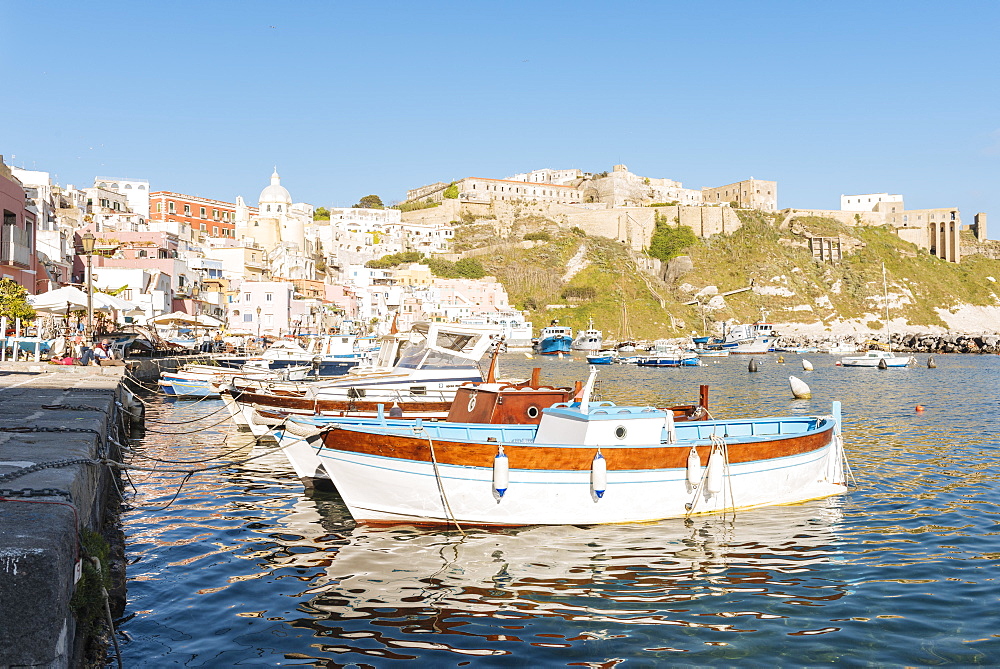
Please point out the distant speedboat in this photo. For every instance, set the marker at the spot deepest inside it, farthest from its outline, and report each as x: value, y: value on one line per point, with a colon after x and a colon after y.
x: 876, y: 358
x: 711, y: 353
x: 668, y: 355
x: 838, y: 347
x: 602, y: 358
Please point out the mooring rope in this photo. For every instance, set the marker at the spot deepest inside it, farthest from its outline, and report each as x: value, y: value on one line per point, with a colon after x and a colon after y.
x: 440, y: 485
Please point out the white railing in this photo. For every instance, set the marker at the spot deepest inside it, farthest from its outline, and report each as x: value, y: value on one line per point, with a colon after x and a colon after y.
x: 14, y: 246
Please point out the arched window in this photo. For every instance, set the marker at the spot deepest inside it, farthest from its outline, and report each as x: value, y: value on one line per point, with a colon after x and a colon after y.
x: 128, y: 186
x: 141, y: 187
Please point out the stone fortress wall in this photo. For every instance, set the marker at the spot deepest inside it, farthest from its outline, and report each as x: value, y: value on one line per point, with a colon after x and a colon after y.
x: 617, y: 205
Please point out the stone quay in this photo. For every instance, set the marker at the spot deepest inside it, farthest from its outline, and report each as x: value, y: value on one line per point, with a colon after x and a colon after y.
x: 58, y: 500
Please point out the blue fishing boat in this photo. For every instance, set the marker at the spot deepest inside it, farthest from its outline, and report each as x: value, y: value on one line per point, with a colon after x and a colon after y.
x: 554, y: 339
x: 602, y: 358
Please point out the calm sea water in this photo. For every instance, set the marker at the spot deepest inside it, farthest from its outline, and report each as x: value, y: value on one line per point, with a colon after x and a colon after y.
x: 246, y: 568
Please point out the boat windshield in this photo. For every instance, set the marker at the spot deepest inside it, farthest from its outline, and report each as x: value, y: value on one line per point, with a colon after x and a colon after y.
x: 423, y: 357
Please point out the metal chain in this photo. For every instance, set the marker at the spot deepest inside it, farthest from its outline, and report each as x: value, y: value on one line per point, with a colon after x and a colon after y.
x: 26, y: 429
x: 55, y: 464
x: 34, y: 492
x: 73, y: 407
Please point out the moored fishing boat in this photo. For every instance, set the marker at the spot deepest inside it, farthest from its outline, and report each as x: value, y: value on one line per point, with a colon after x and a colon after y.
x: 747, y: 338
x: 583, y: 464
x: 602, y: 358
x: 589, y: 339
x: 554, y: 339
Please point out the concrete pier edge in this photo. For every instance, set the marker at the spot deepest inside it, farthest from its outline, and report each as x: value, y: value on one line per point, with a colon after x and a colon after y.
x: 56, y: 422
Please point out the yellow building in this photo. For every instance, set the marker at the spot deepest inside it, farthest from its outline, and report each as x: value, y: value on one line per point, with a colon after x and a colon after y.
x: 413, y: 274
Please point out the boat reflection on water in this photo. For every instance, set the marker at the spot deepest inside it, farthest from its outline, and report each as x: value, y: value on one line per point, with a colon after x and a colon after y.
x: 502, y: 584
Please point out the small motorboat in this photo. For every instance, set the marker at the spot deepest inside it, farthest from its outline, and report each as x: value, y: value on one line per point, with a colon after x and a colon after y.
x: 664, y: 354
x: 878, y: 359
x: 207, y: 380
x: 602, y: 358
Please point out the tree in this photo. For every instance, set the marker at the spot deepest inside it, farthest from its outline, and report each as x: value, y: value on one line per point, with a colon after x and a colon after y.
x: 321, y: 214
x: 451, y: 192
x: 395, y: 259
x: 470, y: 268
x: 14, y: 301
x: 370, y: 202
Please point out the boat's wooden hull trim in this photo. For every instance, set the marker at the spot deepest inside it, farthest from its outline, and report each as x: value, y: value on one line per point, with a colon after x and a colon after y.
x: 391, y: 478
x: 461, y: 453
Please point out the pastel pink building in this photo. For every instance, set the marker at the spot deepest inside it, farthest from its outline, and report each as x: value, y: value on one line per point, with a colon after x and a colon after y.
x: 18, y: 256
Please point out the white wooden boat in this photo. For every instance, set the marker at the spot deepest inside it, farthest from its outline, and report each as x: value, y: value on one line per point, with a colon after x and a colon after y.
x: 583, y: 464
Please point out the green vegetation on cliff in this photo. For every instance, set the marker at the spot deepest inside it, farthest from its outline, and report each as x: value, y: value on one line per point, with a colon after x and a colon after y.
x: 575, y: 278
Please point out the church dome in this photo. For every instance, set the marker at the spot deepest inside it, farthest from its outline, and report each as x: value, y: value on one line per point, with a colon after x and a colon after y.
x: 275, y: 193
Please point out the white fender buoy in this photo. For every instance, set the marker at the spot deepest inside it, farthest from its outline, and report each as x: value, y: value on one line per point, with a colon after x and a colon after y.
x: 694, y: 467
x: 807, y: 366
x: 800, y: 390
x: 501, y: 472
x: 716, y: 464
x: 599, y: 475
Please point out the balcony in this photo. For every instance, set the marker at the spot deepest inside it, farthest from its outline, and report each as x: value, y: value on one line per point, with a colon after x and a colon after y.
x: 15, y: 247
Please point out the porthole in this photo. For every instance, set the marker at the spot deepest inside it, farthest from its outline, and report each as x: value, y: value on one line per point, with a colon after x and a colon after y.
x: 533, y: 411
x: 620, y: 431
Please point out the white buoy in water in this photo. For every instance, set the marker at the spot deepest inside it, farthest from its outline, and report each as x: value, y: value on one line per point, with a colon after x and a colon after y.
x: 529, y: 356
x: 806, y: 365
x: 716, y: 464
x: 800, y: 390
x: 599, y: 475
x: 694, y: 467
x: 501, y: 472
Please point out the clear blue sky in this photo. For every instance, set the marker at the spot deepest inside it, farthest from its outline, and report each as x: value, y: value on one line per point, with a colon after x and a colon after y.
x: 376, y: 97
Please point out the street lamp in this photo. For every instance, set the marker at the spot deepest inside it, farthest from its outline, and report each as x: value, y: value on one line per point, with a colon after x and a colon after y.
x: 87, y: 241
x: 258, y: 323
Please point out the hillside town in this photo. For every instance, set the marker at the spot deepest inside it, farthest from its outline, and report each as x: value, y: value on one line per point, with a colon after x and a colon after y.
x: 277, y: 267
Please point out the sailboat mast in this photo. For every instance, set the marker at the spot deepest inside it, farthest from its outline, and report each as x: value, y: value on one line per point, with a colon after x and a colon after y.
x: 885, y: 292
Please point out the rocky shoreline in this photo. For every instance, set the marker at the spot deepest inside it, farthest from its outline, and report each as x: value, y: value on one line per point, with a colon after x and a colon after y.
x: 906, y: 342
